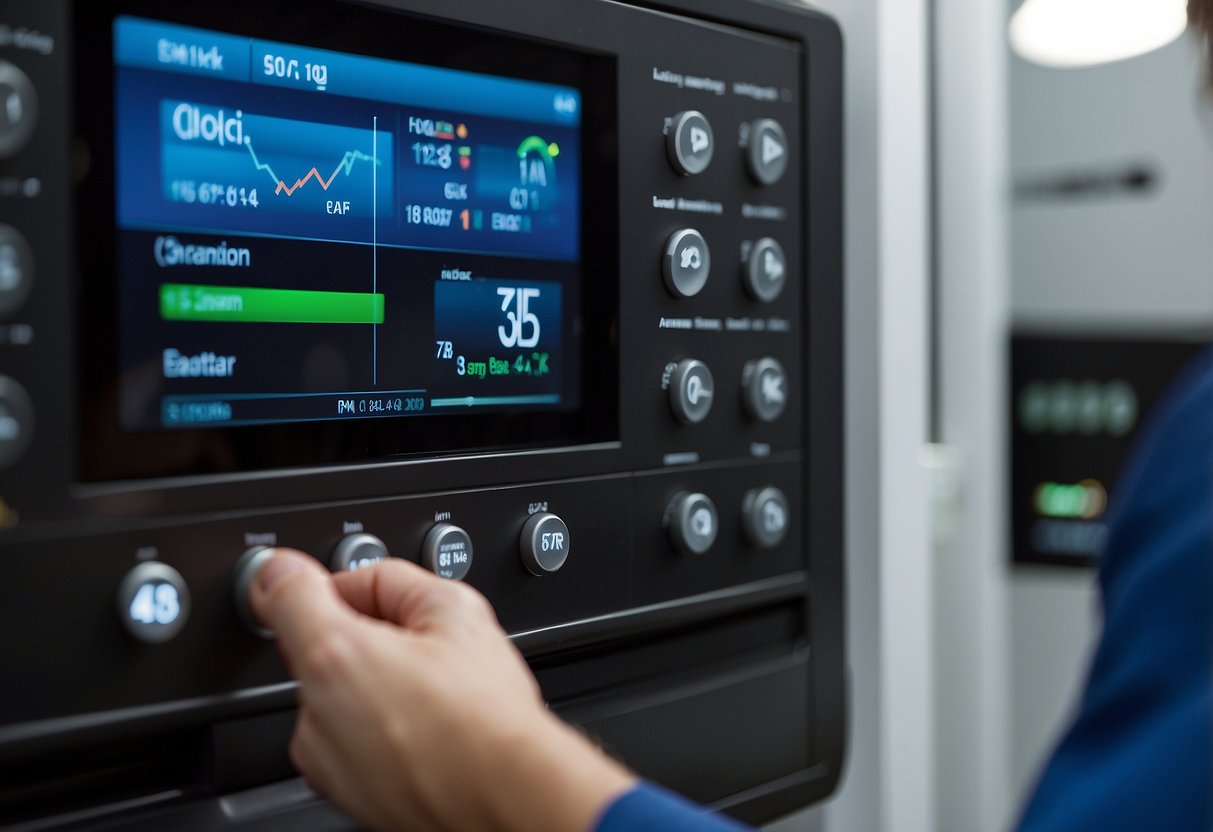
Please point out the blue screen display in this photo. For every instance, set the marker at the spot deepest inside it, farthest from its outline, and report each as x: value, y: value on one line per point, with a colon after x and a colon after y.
x: 311, y: 235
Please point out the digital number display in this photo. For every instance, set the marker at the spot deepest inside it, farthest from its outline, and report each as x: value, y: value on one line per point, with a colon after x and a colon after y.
x: 313, y: 235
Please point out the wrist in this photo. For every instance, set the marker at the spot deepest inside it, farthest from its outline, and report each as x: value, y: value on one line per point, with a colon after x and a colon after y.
x: 560, y: 781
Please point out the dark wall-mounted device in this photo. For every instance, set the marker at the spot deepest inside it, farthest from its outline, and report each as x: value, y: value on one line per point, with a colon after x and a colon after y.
x: 1078, y: 404
x: 546, y: 297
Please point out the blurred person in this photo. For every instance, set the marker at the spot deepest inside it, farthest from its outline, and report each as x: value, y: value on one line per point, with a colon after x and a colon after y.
x: 1139, y: 754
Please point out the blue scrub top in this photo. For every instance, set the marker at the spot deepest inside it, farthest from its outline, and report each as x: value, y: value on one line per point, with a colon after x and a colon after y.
x: 1139, y: 755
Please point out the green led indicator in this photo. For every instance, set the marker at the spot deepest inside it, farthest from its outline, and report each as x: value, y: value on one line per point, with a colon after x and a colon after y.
x: 1085, y: 500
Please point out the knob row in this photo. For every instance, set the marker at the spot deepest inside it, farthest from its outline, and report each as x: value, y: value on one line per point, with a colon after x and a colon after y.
x: 154, y: 600
x: 692, y: 389
x: 691, y: 144
x: 694, y: 523
x: 687, y: 265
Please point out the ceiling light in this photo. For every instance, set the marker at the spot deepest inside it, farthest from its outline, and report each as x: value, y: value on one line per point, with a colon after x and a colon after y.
x: 1078, y: 33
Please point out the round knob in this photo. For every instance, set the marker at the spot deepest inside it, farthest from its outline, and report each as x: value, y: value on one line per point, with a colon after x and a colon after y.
x: 693, y: 523
x: 447, y: 552
x: 16, y: 421
x: 246, y: 572
x: 764, y: 517
x: 16, y: 269
x: 692, y: 390
x: 545, y: 544
x: 687, y: 263
x: 356, y: 551
x: 690, y: 143
x: 18, y: 109
x: 766, y: 270
x: 153, y: 602
x: 764, y: 389
x: 768, y: 152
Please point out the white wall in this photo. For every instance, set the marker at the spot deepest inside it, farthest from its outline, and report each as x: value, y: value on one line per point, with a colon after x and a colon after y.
x: 972, y: 675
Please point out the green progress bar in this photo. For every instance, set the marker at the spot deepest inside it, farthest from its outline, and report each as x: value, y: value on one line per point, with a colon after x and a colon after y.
x: 184, y: 302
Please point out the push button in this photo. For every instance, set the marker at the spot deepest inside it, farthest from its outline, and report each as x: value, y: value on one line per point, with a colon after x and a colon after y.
x: 692, y: 390
x: 16, y: 269
x: 247, y: 567
x: 694, y: 523
x: 764, y: 517
x: 687, y: 263
x: 16, y: 421
x: 356, y: 551
x: 545, y: 544
x: 766, y: 271
x: 768, y: 152
x: 764, y: 389
x: 447, y: 552
x: 18, y: 109
x: 153, y: 602
x: 690, y: 143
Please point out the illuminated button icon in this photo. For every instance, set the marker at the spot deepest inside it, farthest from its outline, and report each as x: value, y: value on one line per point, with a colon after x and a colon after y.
x: 693, y: 523
x: 16, y: 269
x: 764, y: 517
x: 764, y: 389
x: 357, y: 551
x: 16, y: 421
x: 545, y: 544
x: 153, y: 602
x: 687, y: 263
x: 692, y: 390
x: 447, y: 552
x: 766, y: 271
x: 690, y: 143
x: 18, y: 109
x: 768, y: 151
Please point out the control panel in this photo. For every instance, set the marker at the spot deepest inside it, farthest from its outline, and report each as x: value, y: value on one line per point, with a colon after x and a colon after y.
x: 547, y: 303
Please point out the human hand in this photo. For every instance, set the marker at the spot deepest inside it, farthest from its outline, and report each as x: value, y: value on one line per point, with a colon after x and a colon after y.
x: 416, y: 712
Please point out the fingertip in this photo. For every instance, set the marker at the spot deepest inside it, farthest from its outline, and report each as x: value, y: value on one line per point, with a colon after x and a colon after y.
x: 290, y: 594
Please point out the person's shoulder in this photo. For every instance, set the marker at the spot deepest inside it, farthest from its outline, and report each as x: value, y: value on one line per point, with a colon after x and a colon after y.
x: 1166, y: 489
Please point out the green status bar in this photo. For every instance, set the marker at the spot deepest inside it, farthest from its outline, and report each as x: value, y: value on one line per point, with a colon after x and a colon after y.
x: 238, y: 304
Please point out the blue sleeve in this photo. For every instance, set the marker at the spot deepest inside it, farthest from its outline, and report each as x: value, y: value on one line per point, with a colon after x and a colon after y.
x: 1140, y: 752
x: 648, y: 808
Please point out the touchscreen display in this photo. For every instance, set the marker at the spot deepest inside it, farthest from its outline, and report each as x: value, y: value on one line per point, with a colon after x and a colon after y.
x: 310, y: 235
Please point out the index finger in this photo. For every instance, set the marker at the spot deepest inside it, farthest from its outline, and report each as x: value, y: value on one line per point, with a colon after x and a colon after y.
x: 406, y: 594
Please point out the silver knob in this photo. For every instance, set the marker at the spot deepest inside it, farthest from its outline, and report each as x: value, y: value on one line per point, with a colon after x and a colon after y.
x: 356, y: 551
x: 447, y: 552
x: 246, y: 572
x: 693, y: 523
x: 545, y: 544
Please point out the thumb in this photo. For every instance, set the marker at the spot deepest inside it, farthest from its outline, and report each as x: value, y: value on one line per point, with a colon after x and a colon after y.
x: 294, y: 596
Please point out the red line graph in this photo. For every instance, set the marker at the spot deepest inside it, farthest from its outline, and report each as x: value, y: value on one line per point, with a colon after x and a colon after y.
x: 299, y: 183
x: 344, y: 166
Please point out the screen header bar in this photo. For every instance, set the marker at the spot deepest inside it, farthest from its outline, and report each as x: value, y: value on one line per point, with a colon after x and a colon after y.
x: 166, y: 47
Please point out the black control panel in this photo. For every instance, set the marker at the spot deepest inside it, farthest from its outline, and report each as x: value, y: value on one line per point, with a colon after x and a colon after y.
x: 544, y: 297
